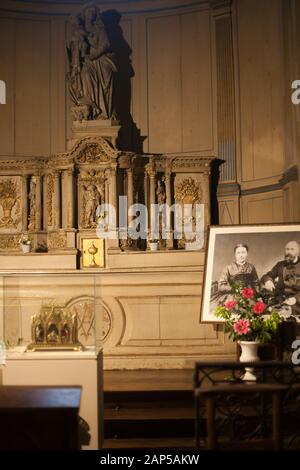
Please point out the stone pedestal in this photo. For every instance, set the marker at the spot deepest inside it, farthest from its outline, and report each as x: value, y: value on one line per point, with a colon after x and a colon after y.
x: 108, y: 129
x: 64, y: 369
x: 39, y: 240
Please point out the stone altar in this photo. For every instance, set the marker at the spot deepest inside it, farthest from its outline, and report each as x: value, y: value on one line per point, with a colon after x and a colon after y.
x: 54, y: 200
x: 151, y: 299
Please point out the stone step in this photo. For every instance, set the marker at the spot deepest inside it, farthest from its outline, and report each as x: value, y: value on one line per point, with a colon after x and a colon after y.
x: 150, y: 413
x: 167, y: 443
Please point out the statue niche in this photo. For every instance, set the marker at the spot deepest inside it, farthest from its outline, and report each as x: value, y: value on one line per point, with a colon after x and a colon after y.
x: 93, y: 195
x: 161, y: 200
x: 91, y: 66
x: 188, y: 191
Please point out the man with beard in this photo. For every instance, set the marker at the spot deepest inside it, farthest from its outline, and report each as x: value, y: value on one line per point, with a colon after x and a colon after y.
x: 283, y: 281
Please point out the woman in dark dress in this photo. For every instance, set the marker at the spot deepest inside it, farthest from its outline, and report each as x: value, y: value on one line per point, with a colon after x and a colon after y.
x: 239, y: 272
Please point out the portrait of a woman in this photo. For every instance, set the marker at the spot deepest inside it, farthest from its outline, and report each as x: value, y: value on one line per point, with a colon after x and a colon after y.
x: 240, y: 271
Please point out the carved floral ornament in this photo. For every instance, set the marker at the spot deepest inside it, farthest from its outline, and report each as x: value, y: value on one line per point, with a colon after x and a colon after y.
x: 167, y: 163
x: 27, y: 164
x: 188, y: 191
x: 84, y: 308
x: 9, y: 242
x: 10, y: 203
x: 89, y: 150
x: 57, y: 240
x: 201, y: 164
x: 93, y: 176
x: 50, y: 191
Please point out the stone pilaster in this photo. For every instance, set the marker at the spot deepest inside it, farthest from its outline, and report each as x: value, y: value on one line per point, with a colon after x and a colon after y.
x: 70, y: 179
x: 169, y: 240
x: 24, y: 203
x: 129, y: 190
x: 67, y: 199
x: 113, y: 188
x: 56, y: 193
x: 152, y: 200
x: 38, y: 212
x: 45, y: 205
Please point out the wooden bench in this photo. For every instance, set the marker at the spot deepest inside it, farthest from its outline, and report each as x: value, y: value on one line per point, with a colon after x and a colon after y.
x: 36, y: 418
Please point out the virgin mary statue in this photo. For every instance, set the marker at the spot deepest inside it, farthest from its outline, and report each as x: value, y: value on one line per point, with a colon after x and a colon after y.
x: 97, y: 67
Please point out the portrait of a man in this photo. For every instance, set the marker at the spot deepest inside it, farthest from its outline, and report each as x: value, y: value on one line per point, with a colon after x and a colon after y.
x: 283, y: 280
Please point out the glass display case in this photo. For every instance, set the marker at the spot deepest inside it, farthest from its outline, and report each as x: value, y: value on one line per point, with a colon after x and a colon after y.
x: 51, y: 312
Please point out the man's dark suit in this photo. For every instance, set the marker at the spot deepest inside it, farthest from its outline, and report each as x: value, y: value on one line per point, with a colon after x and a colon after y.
x: 286, y: 277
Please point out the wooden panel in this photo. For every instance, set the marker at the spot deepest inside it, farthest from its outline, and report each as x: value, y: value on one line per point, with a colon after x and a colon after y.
x: 197, y: 106
x: 226, y: 98
x: 164, y: 79
x: 145, y: 380
x: 46, y: 418
x: 32, y: 87
x: 229, y: 211
x: 263, y: 208
x: 126, y: 28
x: 291, y: 202
x: 58, y: 89
x: 180, y: 83
x: 261, y: 88
x: 122, y: 45
x: 139, y: 81
x: 7, y: 72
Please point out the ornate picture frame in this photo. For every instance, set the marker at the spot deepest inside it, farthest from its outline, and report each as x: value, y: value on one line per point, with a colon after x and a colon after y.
x: 252, y: 255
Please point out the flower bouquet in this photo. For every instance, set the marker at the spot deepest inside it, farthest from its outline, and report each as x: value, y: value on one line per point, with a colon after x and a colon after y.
x: 247, y: 316
x: 25, y: 243
x: 250, y: 321
x: 153, y: 244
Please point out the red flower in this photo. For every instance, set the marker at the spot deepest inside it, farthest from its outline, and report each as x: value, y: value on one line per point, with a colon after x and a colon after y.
x: 242, y: 327
x: 247, y: 292
x: 230, y: 304
x: 259, y: 308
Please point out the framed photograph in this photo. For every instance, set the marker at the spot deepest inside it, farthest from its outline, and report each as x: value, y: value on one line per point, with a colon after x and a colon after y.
x: 264, y: 257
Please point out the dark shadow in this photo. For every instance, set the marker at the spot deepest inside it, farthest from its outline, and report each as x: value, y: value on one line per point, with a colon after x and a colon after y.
x: 83, y: 432
x: 41, y: 248
x: 129, y: 137
x: 214, y: 181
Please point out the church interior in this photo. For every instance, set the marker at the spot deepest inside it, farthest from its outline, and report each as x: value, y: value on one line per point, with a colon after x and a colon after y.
x: 116, y: 117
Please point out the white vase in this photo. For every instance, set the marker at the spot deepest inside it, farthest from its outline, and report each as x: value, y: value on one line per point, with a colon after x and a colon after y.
x: 249, y: 351
x: 153, y: 246
x: 25, y: 248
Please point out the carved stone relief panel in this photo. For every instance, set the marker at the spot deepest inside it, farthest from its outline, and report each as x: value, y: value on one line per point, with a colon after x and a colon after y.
x: 92, y: 153
x: 9, y: 242
x: 57, y: 240
x: 91, y: 195
x: 84, y: 308
x: 49, y: 203
x: 188, y: 193
x: 161, y: 200
x: 10, y: 203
